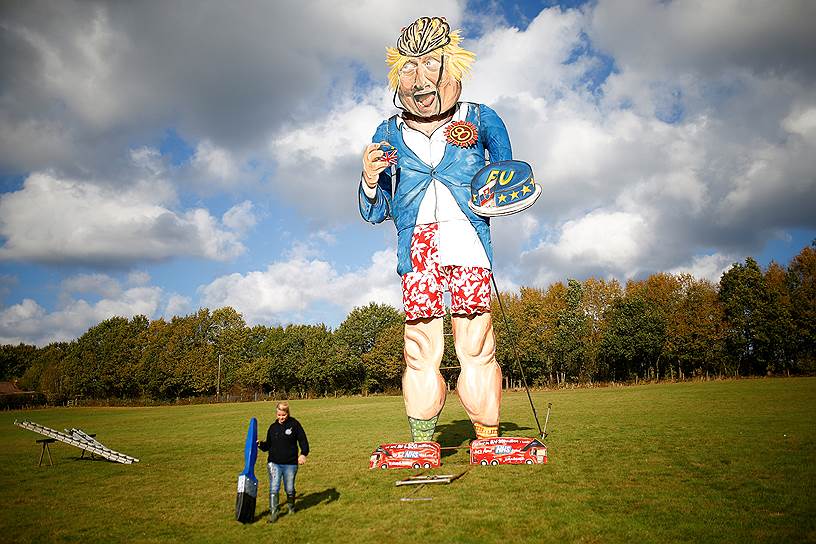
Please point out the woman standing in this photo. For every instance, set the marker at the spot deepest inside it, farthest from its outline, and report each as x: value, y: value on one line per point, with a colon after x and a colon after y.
x: 282, y: 440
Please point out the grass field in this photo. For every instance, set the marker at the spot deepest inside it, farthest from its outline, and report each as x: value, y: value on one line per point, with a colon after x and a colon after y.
x: 722, y: 461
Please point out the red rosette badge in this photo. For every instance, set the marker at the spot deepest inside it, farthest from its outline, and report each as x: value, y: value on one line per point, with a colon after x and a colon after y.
x: 462, y: 133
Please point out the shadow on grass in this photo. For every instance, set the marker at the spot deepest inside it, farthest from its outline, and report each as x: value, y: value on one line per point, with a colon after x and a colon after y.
x: 303, y: 503
x: 454, y: 434
x: 459, y: 433
x: 510, y: 427
x: 91, y: 458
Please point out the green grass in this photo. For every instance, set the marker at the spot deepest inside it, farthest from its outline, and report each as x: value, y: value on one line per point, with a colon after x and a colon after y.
x: 723, y: 461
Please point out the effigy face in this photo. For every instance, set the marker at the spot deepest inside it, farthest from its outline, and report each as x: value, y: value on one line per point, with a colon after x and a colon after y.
x: 421, y: 90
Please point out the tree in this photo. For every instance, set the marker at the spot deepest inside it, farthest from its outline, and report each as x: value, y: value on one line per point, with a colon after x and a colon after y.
x: 596, y: 300
x: 358, y: 334
x: 780, y: 331
x: 101, y: 362
x: 532, y: 319
x: 571, y: 327
x: 46, y: 373
x: 662, y: 292
x: 384, y: 363
x: 634, y: 337
x: 695, y: 331
x: 753, y: 315
x: 228, y: 336
x: 281, y: 358
x: 801, y: 282
x: 15, y: 360
x: 178, y: 359
x: 361, y: 327
x: 152, y: 370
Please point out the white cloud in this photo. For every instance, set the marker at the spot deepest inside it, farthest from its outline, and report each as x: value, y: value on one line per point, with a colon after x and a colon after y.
x: 138, y: 278
x: 709, y: 267
x: 286, y: 290
x: 148, y: 159
x: 319, y: 162
x: 214, y: 167
x: 511, y: 62
x: 610, y: 242
x: 802, y: 122
x: 215, y: 161
x: 20, y: 322
x: 613, y: 239
x: 707, y: 38
x: 55, y: 143
x: 177, y: 305
x: 51, y: 219
x: 324, y: 237
x: 83, y: 73
x: 100, y: 284
x: 29, y: 322
x: 240, y: 217
x: 343, y: 132
x: 86, y: 300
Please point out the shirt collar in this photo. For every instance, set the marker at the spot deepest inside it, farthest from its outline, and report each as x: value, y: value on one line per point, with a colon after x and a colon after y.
x: 458, y: 115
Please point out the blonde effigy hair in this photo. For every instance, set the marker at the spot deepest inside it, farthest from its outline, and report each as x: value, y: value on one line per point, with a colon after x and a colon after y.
x: 429, y: 35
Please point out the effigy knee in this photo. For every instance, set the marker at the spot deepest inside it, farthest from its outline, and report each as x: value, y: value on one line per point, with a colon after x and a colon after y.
x: 422, y: 348
x: 474, y: 341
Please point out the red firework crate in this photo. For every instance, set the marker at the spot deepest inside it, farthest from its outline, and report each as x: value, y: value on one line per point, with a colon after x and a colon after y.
x: 507, y: 450
x: 406, y: 455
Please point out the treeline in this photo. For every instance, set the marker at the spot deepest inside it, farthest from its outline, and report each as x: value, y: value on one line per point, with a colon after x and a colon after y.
x: 753, y: 322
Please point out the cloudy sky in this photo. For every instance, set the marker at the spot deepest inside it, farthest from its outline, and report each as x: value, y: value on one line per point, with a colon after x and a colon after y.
x: 158, y: 157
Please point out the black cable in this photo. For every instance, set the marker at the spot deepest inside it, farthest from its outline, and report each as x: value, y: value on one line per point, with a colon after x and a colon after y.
x: 515, y: 352
x: 439, y: 80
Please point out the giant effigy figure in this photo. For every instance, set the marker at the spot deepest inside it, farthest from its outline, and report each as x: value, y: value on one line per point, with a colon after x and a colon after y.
x: 417, y: 171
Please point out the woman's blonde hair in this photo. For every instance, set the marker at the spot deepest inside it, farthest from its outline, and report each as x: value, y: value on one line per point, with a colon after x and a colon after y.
x: 429, y: 35
x: 283, y: 406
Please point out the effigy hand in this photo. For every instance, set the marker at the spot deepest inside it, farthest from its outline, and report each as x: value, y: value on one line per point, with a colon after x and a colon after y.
x: 373, y: 163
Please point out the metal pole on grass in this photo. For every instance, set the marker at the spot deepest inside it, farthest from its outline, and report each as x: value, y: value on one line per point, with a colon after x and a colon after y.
x: 218, y: 380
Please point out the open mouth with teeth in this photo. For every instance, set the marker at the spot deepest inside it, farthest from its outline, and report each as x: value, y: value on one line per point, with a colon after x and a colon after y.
x: 425, y: 98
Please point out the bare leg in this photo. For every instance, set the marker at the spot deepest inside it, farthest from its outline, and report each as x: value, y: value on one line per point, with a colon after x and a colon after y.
x: 480, y: 378
x: 423, y: 387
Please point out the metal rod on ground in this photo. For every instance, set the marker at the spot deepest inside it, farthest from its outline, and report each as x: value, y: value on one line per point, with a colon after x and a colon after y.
x: 417, y: 488
x: 547, y: 420
x: 518, y: 359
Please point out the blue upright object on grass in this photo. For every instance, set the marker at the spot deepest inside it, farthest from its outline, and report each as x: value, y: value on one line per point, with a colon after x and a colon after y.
x: 247, y: 482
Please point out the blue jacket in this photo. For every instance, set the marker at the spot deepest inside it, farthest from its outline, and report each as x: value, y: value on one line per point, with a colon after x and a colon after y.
x: 400, y: 201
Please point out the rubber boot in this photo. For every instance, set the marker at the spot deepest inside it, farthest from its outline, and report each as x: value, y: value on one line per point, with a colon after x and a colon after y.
x: 273, y: 509
x: 290, y: 502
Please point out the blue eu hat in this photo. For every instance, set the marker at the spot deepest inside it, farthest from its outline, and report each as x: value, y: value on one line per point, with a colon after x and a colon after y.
x: 503, y: 188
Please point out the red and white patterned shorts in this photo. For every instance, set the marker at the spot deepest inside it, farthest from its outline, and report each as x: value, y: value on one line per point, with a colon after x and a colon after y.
x: 423, y: 289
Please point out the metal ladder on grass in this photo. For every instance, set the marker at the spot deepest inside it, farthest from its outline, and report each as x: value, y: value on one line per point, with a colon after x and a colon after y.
x: 79, y: 439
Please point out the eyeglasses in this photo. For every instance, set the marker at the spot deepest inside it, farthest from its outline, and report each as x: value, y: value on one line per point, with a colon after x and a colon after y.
x: 430, y: 64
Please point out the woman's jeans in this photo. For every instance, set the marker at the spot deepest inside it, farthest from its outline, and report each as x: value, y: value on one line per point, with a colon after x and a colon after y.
x: 276, y: 474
